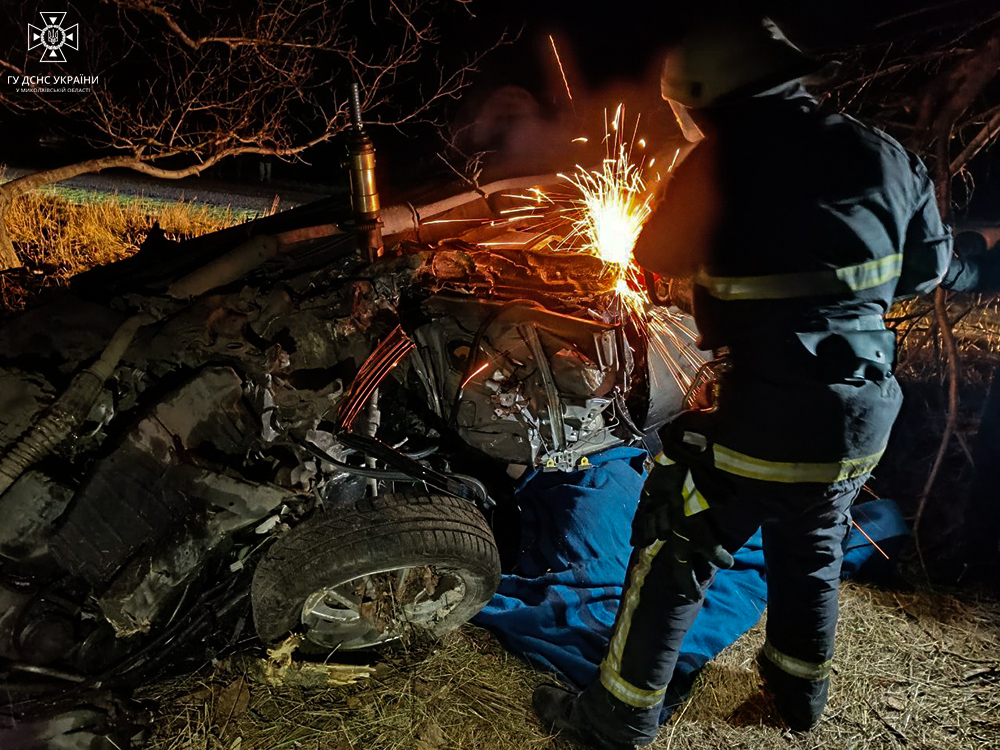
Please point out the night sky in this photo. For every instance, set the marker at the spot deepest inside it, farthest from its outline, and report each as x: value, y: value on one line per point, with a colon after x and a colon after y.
x: 608, y: 49
x: 617, y: 39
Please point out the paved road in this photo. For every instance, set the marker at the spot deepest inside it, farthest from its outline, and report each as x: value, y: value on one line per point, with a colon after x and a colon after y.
x: 249, y: 196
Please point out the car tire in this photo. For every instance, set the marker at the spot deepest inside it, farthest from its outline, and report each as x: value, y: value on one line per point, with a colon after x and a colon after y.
x: 353, y: 578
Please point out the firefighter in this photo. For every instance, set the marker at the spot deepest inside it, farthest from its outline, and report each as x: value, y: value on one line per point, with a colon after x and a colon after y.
x: 798, y: 228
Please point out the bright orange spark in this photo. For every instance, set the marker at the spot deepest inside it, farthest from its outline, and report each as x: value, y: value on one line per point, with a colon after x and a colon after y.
x: 614, y: 121
x: 581, y: 139
x: 870, y: 539
x: 561, y: 71
x: 674, y: 161
x: 479, y: 369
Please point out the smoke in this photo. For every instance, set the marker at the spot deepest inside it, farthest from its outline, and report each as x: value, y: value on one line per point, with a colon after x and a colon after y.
x: 508, y: 130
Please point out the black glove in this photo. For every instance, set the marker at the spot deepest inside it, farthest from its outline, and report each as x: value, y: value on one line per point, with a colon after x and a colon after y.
x: 671, y: 509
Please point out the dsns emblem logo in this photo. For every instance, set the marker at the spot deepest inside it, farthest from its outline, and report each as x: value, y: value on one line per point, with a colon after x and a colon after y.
x: 52, y: 36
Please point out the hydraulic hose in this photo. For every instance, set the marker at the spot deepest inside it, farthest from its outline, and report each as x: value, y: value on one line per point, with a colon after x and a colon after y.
x: 62, y: 418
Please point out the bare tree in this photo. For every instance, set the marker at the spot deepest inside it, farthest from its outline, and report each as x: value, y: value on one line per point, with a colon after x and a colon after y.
x: 184, y: 84
x: 937, y: 92
x: 929, y: 85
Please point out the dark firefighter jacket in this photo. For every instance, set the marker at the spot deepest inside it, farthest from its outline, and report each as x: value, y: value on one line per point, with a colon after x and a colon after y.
x: 799, y: 229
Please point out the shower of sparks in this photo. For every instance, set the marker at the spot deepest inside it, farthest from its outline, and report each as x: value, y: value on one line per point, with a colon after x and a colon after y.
x: 613, y: 210
x: 611, y: 206
x: 674, y: 342
x: 604, y: 212
x: 561, y: 71
x: 602, y: 216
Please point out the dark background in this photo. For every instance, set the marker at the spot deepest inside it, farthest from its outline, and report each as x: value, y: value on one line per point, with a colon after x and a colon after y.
x: 610, y: 50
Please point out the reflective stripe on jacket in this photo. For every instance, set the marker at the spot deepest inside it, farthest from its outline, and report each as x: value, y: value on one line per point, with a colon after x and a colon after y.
x: 787, y: 217
x: 799, y: 228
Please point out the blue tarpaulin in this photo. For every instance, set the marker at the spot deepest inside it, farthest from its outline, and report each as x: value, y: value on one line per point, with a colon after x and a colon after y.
x: 558, y: 605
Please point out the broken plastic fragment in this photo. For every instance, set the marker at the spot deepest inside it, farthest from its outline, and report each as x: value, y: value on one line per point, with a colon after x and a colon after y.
x: 269, y: 523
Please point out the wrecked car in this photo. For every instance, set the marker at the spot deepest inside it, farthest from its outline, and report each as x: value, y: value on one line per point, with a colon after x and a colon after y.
x: 266, y: 430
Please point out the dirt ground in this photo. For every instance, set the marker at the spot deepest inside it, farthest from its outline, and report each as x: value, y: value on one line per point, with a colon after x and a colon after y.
x: 913, y: 670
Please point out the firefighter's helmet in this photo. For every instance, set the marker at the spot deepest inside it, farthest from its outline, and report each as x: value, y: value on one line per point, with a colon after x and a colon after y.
x: 730, y: 59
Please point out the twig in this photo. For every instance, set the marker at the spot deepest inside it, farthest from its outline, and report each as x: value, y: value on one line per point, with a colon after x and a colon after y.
x: 896, y: 733
x: 964, y: 444
x: 969, y: 659
x: 990, y: 131
x: 870, y: 78
x: 942, y: 178
x: 471, y: 181
x: 951, y: 352
x: 919, y: 11
x: 670, y: 740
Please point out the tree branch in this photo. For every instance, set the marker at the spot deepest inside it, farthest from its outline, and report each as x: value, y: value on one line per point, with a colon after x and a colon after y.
x: 989, y: 131
x: 184, y: 87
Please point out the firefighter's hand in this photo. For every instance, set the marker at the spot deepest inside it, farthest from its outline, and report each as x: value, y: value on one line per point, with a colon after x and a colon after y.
x: 660, y: 493
x: 696, y: 538
x: 702, y: 399
x: 691, y: 544
x: 686, y: 528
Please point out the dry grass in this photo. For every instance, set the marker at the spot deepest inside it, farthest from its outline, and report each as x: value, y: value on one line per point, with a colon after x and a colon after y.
x: 464, y: 692
x: 56, y: 237
x: 913, y: 670
x: 975, y: 322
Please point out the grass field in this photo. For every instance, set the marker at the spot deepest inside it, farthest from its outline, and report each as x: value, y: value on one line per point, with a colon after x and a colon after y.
x: 59, y: 233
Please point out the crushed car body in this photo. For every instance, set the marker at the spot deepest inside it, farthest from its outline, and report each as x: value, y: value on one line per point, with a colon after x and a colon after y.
x: 265, y: 430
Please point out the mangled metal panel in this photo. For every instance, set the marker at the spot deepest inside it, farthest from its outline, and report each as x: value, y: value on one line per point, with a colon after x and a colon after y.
x: 521, y: 383
x: 150, y: 513
x: 31, y: 509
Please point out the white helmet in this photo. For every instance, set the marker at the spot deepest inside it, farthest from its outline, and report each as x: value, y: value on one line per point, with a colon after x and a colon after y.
x: 731, y: 58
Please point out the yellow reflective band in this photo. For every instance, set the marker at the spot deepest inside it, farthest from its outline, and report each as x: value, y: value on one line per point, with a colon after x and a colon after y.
x: 663, y: 459
x: 694, y: 501
x: 628, y: 693
x: 806, y: 670
x: 611, y: 667
x: 734, y: 462
x: 855, y: 278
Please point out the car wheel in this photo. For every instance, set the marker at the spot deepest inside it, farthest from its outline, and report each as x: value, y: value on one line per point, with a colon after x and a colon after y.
x: 358, y: 577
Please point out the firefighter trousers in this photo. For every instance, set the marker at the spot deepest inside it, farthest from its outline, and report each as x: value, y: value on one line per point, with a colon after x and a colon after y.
x: 803, y: 527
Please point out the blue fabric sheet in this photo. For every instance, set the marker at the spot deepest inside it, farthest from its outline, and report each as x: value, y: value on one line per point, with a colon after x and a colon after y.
x: 558, y: 606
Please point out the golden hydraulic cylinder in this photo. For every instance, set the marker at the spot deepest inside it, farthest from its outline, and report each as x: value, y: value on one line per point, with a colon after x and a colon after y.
x: 364, y: 193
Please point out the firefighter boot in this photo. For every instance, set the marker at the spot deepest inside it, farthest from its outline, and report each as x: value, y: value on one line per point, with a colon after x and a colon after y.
x: 799, y: 701
x: 557, y: 708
